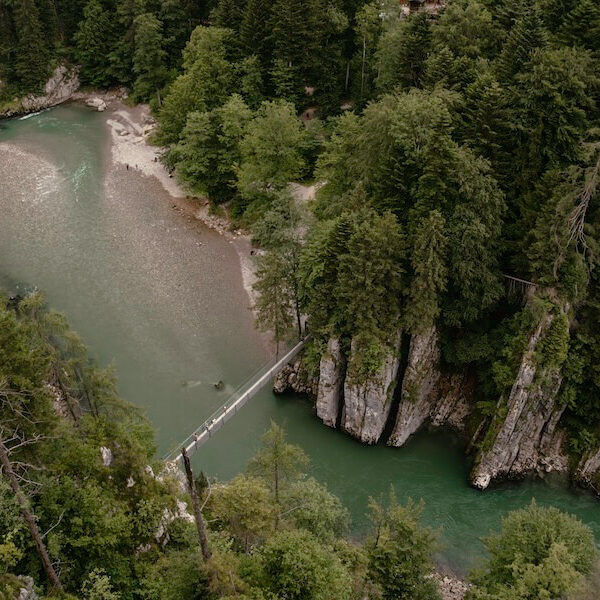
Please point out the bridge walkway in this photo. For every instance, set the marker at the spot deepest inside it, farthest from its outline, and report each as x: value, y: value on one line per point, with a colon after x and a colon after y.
x: 225, y: 412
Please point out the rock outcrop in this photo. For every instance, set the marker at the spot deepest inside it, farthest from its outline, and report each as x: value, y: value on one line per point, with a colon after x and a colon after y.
x: 367, y: 404
x: 296, y: 378
x: 587, y: 472
x: 332, y: 371
x: 428, y: 395
x: 522, y: 437
x: 61, y: 86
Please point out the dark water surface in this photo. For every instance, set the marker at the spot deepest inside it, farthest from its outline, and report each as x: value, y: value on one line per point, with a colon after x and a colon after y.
x: 162, y: 299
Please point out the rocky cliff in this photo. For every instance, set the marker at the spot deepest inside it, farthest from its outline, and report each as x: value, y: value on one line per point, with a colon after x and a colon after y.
x: 61, y: 86
x: 587, y: 472
x: 522, y: 437
x: 367, y: 403
x: 330, y: 392
x: 296, y: 378
x: 428, y: 395
x: 525, y: 436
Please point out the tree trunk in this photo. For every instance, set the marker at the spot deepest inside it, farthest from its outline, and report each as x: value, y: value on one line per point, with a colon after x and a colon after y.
x: 28, y: 517
x: 206, y: 553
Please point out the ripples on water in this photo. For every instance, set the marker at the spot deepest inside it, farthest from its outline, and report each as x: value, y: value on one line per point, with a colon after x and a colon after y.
x: 133, y: 279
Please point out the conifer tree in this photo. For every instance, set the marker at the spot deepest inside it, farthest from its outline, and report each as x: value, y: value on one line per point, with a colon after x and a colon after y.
x: 123, y: 46
x: 527, y: 35
x: 93, y: 40
x: 402, y: 53
x: 289, y: 35
x: 581, y: 26
x: 229, y: 14
x: 253, y: 30
x: 149, y: 57
x: 31, y: 55
x: 429, y: 280
x: 206, y: 82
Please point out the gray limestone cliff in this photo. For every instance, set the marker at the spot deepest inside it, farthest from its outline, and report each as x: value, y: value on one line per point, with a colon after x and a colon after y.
x: 332, y: 371
x: 523, y: 436
x: 428, y: 395
x: 296, y: 378
x: 587, y: 472
x: 367, y: 404
x: 62, y: 84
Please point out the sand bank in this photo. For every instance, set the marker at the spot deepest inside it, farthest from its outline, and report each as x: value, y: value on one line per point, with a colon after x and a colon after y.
x: 130, y: 128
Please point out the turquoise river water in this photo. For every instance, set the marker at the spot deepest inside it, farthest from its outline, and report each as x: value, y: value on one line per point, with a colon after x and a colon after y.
x: 161, y: 298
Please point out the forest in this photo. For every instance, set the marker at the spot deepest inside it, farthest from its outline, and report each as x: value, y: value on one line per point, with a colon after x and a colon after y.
x: 455, y: 154
x: 87, y: 512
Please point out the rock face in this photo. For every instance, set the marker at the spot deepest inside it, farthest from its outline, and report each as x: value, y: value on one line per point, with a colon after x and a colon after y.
x: 588, y: 471
x: 97, y: 103
x: 332, y: 371
x: 367, y: 404
x: 526, y: 438
x: 295, y: 377
x: 63, y: 83
x: 419, y: 386
x: 427, y: 394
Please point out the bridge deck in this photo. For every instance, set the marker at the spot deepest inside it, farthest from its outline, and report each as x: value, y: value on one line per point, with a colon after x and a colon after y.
x: 203, y: 433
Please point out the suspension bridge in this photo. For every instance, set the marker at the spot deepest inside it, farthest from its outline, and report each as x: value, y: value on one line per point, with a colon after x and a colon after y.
x: 228, y: 410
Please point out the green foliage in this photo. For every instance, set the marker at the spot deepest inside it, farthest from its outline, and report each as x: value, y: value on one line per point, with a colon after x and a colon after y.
x: 149, y: 57
x: 351, y: 277
x: 93, y: 40
x: 540, y: 553
x: 399, y: 553
x: 97, y: 587
x: 207, y: 81
x: 551, y: 351
x: 428, y: 262
x: 277, y: 462
x: 31, y: 53
x: 292, y: 565
x: 270, y: 151
x: 402, y: 53
x: 209, y: 150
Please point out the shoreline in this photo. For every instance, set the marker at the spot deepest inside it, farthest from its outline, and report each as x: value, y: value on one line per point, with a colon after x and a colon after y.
x: 129, y: 129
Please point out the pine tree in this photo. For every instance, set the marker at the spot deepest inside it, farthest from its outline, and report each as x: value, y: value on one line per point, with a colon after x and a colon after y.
x: 229, y: 14
x: 253, y: 30
x: 285, y: 80
x: 486, y: 119
x: 527, y: 35
x: 149, y: 57
x: 403, y: 52
x: 430, y: 273
x: 120, y: 63
x: 289, y: 34
x: 31, y: 56
x: 581, y: 26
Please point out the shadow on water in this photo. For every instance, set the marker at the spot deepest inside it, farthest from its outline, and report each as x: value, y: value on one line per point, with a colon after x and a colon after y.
x: 133, y: 280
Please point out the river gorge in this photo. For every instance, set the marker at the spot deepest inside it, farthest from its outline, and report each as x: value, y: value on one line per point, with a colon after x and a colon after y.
x: 161, y: 296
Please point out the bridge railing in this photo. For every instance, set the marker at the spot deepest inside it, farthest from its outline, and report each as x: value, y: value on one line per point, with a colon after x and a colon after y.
x: 226, y: 411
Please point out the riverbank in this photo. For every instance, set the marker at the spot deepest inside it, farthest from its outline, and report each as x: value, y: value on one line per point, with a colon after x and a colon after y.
x: 129, y: 131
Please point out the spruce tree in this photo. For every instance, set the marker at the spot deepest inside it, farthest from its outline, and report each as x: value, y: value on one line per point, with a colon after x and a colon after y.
x: 93, y: 40
x: 149, y: 57
x: 253, y: 30
x: 403, y: 52
x: 229, y: 14
x: 289, y: 34
x: 32, y: 55
x: 527, y: 35
x: 428, y: 260
x: 581, y: 26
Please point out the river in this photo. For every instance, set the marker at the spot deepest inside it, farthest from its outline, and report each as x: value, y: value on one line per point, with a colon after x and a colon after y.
x: 161, y: 298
